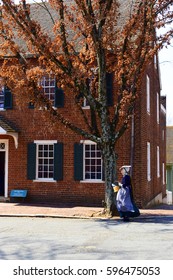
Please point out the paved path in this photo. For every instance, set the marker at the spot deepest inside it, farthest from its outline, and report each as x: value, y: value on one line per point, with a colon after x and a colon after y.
x: 43, y: 210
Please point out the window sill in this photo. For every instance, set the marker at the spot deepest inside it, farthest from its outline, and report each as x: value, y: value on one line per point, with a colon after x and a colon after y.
x: 44, y: 181
x: 92, y: 181
x: 86, y: 107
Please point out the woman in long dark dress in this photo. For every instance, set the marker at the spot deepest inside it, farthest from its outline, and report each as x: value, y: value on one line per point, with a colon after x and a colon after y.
x: 124, y: 200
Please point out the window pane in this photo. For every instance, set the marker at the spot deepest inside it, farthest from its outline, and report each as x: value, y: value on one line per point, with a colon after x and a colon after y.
x: 92, y: 162
x: 1, y: 98
x: 48, y: 87
x: 45, y: 161
x: 87, y: 154
x: 93, y: 154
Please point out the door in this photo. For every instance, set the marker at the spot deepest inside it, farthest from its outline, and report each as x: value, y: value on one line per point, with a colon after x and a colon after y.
x: 2, y: 173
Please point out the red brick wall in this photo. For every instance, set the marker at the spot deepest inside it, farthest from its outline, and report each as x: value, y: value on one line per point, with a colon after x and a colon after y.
x: 32, y: 127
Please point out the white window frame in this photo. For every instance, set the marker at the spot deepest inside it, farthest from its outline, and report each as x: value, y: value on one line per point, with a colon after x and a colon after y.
x: 148, y: 93
x: 163, y: 173
x: 43, y: 142
x: 158, y: 162
x: 46, y: 85
x: 148, y: 161
x: 155, y: 61
x: 158, y: 106
x: 5, y: 148
x: 89, y: 180
x: 85, y: 104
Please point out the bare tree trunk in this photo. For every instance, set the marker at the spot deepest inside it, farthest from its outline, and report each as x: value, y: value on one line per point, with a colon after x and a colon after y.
x: 109, y: 159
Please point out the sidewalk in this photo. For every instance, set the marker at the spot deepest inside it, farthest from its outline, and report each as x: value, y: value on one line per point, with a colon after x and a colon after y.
x: 69, y: 211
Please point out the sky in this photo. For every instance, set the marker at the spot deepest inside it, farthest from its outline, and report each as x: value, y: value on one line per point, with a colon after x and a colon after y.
x: 166, y: 72
x: 166, y: 76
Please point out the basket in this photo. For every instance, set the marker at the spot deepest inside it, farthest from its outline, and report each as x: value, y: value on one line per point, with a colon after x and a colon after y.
x: 116, y: 188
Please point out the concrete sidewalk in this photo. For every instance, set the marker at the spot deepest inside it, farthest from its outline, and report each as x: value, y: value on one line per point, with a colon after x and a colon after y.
x: 70, y: 211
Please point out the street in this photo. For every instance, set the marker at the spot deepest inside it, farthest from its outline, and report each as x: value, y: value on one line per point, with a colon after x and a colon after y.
x: 29, y: 238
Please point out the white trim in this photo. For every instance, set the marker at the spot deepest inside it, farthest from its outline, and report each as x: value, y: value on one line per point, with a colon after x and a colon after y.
x: 13, y: 134
x: 86, y: 180
x: 15, y: 137
x: 163, y: 173
x: 86, y: 107
x: 88, y: 142
x: 92, y: 181
x: 158, y: 162
x: 6, y: 150
x: 148, y: 93
x: 163, y: 109
x: 44, y: 180
x: 45, y: 141
x: 148, y: 162
x: 2, y: 131
x: 158, y: 106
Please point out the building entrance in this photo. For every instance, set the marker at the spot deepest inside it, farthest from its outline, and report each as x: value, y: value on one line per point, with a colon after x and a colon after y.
x: 2, y: 173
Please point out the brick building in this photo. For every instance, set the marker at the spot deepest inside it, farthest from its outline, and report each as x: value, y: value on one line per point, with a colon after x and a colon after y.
x: 55, y: 165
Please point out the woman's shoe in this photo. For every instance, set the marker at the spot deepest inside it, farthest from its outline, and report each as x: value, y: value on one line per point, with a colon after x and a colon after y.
x: 126, y: 219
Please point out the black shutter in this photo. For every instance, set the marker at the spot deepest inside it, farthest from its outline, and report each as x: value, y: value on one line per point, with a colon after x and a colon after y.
x: 79, y: 96
x: 78, y: 161
x: 59, y: 98
x: 8, y: 102
x: 103, y: 172
x: 58, y: 161
x: 109, y: 88
x: 31, y: 163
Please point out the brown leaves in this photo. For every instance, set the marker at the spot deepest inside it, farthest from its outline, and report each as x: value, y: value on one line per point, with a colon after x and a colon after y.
x: 71, y: 38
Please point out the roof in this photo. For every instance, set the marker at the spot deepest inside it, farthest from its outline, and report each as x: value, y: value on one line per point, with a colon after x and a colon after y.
x: 6, y: 126
x: 8, y: 129
x: 45, y: 15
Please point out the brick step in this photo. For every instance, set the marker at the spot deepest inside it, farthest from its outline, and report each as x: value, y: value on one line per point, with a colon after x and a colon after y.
x: 4, y: 199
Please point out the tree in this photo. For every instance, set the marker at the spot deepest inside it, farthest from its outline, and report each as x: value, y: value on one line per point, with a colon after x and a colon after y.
x: 89, y: 40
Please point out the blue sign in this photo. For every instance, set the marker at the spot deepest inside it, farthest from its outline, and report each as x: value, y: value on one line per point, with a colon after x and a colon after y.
x: 18, y: 193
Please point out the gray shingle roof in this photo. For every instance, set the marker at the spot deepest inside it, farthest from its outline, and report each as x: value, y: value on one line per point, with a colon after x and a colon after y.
x: 44, y: 14
x: 9, y: 128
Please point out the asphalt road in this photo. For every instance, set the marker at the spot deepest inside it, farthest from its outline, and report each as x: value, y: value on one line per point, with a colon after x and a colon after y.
x: 72, y: 239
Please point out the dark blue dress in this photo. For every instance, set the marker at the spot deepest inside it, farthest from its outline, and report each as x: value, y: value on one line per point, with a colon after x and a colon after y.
x: 124, y: 200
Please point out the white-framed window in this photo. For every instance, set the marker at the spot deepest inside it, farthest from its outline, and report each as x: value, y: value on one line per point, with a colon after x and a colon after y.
x: 158, y: 162
x: 148, y: 93
x: 92, y: 162
x: 158, y: 106
x: 44, y: 160
x: 155, y: 61
x: 48, y: 84
x: 148, y: 162
x: 85, y: 104
x: 163, y: 173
